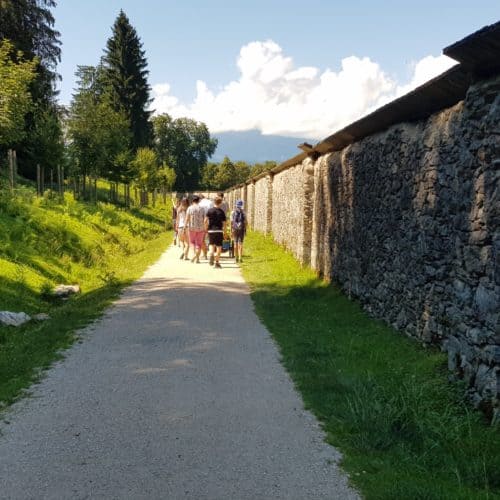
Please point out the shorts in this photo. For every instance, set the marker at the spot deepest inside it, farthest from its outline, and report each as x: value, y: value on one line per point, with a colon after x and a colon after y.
x: 238, y: 235
x: 215, y: 239
x: 196, y: 238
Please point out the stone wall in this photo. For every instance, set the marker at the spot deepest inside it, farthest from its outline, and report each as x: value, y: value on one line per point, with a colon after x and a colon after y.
x: 408, y: 222
x: 262, y: 205
x: 290, y: 220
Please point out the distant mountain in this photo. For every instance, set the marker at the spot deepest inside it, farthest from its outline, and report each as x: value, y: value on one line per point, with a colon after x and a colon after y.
x: 253, y: 147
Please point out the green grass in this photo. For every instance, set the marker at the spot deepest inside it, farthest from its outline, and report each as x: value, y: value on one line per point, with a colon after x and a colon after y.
x: 383, y: 400
x: 46, y: 242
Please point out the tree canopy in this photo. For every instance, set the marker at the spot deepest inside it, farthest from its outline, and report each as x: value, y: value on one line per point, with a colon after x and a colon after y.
x: 125, y: 74
x: 15, y: 98
x: 29, y: 25
x: 98, y: 134
x: 185, y: 145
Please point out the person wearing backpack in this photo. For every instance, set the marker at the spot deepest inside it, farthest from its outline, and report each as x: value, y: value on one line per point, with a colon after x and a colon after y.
x: 238, y: 230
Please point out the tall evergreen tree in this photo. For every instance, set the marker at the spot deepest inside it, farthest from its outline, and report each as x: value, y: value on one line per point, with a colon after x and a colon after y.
x: 126, y: 75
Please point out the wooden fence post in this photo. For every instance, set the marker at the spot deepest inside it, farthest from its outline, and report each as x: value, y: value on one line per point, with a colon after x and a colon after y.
x: 15, y: 166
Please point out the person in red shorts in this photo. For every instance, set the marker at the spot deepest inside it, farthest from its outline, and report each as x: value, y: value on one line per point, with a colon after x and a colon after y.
x: 195, y: 221
x: 215, y: 224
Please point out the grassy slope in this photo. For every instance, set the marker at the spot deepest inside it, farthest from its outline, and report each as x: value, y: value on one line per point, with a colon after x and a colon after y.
x: 44, y: 243
x: 381, y: 398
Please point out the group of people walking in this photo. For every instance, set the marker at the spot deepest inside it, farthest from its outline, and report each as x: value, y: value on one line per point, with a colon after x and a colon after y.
x: 203, y: 225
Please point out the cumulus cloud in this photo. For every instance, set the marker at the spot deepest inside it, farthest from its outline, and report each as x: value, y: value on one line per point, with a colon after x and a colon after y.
x: 275, y: 97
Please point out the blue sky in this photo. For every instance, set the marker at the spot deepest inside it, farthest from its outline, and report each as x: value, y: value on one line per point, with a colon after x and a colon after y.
x: 318, y: 45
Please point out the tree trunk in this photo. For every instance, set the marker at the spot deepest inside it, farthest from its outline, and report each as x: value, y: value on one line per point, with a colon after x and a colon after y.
x: 10, y: 156
x: 38, y: 180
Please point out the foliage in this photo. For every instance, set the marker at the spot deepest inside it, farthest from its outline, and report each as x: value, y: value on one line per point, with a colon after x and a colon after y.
x: 208, y: 173
x: 226, y: 174
x: 145, y: 168
x: 99, y: 135
x: 243, y: 170
x: 29, y: 25
x: 404, y: 431
x: 185, y: 145
x: 46, y: 137
x: 46, y: 242
x: 166, y: 178
x: 259, y: 168
x: 125, y: 75
x: 220, y: 176
x: 15, y: 98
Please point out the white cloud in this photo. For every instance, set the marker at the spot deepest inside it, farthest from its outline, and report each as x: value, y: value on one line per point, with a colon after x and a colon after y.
x: 277, y: 98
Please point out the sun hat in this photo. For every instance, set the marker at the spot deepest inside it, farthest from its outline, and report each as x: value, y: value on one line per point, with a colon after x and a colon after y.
x: 239, y: 204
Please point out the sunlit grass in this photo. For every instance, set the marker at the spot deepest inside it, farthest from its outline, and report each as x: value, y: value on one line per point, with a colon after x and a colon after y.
x: 45, y: 242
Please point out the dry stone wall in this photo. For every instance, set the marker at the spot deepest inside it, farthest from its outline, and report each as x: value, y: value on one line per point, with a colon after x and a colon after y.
x: 262, y: 205
x: 408, y: 222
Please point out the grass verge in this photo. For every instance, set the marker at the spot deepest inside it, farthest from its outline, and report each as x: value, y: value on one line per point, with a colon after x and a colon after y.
x: 382, y: 399
x: 46, y: 241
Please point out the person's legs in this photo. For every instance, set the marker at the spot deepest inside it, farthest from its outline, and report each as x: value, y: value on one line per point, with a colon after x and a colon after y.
x: 204, y: 248
x: 212, y: 255
x: 235, y: 245
x: 217, y: 256
x: 211, y: 246
x: 198, y: 244
x: 216, y: 240
x: 240, y: 246
x: 182, y: 234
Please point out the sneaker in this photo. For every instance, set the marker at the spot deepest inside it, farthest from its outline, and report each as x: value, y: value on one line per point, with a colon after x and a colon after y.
x: 218, y: 266
x: 211, y: 261
x: 182, y: 256
x: 193, y: 259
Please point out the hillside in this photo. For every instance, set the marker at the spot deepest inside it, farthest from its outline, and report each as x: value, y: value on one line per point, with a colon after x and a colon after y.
x: 46, y: 242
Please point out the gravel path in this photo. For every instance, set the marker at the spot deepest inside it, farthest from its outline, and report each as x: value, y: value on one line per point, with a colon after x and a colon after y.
x: 176, y: 393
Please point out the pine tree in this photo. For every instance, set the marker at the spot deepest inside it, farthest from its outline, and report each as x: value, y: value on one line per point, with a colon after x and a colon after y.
x: 126, y: 75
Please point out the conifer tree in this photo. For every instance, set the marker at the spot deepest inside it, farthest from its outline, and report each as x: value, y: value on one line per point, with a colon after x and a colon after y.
x: 126, y: 75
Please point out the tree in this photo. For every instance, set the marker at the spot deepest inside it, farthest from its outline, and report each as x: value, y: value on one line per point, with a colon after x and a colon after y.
x: 208, y: 173
x: 243, y: 170
x: 126, y: 75
x: 226, y: 174
x: 185, y: 145
x: 145, y: 168
x: 46, y: 136
x: 29, y: 25
x: 166, y: 178
x: 15, y: 98
x: 99, y: 136
x: 258, y: 168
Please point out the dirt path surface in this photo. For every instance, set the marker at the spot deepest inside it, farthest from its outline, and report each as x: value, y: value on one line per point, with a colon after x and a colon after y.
x: 176, y: 393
